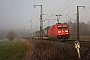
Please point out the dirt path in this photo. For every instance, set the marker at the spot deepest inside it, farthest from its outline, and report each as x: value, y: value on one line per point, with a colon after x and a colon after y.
x: 30, y: 48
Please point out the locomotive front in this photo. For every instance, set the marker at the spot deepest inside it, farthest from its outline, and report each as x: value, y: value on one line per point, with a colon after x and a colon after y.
x: 59, y: 31
x: 62, y: 31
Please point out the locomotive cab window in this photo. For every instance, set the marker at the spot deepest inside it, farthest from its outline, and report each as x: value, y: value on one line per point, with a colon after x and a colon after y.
x: 59, y: 27
x: 64, y: 26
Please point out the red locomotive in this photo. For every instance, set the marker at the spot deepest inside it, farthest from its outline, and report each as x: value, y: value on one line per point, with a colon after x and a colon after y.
x: 59, y: 31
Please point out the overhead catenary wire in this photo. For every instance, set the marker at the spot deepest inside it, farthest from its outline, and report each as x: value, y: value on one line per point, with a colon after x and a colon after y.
x: 87, y: 2
x: 85, y: 9
x: 56, y: 11
x: 82, y: 9
x: 61, y: 8
x: 70, y: 17
x: 68, y: 6
x: 32, y: 13
x: 31, y: 18
x: 80, y: 13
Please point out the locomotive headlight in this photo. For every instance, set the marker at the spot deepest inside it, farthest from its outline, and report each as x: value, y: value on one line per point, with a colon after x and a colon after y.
x: 59, y: 31
x: 66, y: 31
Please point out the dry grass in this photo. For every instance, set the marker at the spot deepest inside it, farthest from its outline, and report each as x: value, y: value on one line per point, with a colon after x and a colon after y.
x: 84, y: 37
x: 81, y: 37
x: 48, y: 50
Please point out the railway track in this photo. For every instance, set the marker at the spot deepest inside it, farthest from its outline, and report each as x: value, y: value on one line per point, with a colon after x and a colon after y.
x: 83, y: 43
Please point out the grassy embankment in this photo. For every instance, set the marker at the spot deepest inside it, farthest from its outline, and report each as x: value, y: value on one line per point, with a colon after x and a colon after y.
x: 12, y: 50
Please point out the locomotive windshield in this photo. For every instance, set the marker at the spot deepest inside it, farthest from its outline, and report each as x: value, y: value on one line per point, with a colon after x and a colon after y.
x: 62, y: 26
x: 59, y: 27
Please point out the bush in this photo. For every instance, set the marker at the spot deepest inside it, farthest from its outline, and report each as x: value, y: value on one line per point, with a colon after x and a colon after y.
x: 11, y: 35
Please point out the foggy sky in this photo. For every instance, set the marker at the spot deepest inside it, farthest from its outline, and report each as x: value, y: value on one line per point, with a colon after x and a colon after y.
x: 14, y: 14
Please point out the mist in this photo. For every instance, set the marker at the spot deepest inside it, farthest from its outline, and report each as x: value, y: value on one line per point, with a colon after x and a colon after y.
x: 15, y: 15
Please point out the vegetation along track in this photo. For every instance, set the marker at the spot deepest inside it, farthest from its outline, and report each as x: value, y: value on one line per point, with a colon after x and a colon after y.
x: 56, y: 50
x: 84, y: 47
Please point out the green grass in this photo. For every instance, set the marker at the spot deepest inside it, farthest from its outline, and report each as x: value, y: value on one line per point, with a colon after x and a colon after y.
x: 12, y: 50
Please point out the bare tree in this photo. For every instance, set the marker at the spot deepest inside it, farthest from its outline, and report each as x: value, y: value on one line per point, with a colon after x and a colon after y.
x: 11, y: 35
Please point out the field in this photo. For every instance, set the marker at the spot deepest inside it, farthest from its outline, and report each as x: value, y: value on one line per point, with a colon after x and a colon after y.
x: 12, y: 50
